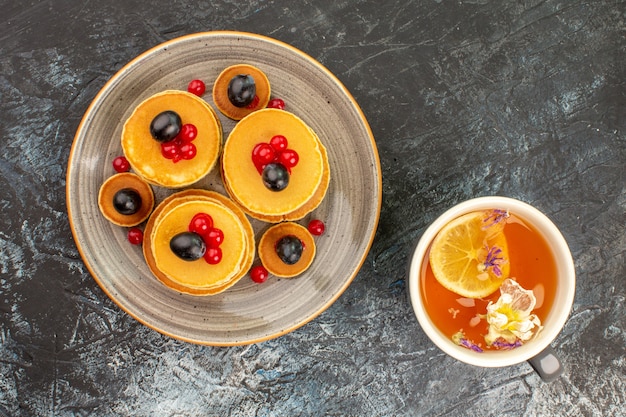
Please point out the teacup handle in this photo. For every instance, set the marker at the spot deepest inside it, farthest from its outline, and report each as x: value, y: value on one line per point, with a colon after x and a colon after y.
x: 547, y: 364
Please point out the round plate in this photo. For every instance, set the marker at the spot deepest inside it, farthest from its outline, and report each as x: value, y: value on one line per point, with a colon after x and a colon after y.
x: 247, y: 312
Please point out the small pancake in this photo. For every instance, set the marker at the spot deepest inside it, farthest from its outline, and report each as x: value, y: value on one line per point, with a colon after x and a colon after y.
x: 220, y: 91
x: 244, y: 183
x: 269, y: 257
x: 144, y: 152
x: 118, y: 182
x: 198, y: 274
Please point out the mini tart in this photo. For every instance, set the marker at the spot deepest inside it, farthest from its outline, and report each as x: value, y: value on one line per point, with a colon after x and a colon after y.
x: 144, y: 152
x: 119, y: 182
x: 198, y: 274
x: 244, y: 183
x: 195, y: 195
x: 267, y: 249
x: 220, y: 91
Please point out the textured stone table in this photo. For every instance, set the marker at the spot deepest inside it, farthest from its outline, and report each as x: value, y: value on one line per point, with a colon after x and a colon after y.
x: 465, y: 98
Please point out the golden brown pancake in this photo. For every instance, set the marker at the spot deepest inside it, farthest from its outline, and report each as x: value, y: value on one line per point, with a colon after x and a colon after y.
x: 270, y: 259
x: 118, y: 182
x: 144, y: 152
x: 220, y: 91
x: 242, y: 179
x: 172, y: 217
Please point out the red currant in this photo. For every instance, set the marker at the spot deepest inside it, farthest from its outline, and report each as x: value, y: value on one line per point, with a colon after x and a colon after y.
x: 316, y: 227
x: 201, y: 224
x: 188, y: 150
x: 279, y: 143
x: 170, y: 149
x: 262, y: 154
x: 188, y: 132
x: 289, y: 158
x: 276, y: 103
x: 255, y: 102
x: 120, y: 164
x: 214, y: 238
x: 196, y: 87
x: 213, y: 255
x: 259, y: 274
x: 135, y: 235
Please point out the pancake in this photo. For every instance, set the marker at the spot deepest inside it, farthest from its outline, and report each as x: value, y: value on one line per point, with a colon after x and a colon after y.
x: 198, y: 274
x: 220, y: 91
x: 242, y: 179
x: 144, y: 152
x: 191, y: 195
x: 270, y: 259
x: 117, y: 182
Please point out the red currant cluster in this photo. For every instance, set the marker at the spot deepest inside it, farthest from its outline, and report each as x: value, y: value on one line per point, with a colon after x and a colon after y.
x: 202, y: 224
x: 181, y: 147
x: 274, y: 151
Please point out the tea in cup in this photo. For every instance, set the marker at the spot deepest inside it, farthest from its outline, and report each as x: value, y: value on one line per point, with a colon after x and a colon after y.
x: 492, y: 283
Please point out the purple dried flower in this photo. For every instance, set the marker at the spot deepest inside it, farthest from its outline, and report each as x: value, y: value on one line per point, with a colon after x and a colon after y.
x: 503, y: 344
x: 459, y: 339
x: 494, y: 217
x: 466, y: 343
x: 494, y: 260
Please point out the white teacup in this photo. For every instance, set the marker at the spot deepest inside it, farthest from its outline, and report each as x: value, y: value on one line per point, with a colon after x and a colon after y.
x: 538, y: 350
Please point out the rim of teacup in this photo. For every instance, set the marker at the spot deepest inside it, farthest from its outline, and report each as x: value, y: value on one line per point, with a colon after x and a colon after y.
x: 564, y: 298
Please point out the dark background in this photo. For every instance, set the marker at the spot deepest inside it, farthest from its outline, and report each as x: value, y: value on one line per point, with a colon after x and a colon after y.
x: 465, y: 98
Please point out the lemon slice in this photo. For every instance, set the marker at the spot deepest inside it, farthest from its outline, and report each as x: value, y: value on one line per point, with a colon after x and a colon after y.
x: 469, y: 256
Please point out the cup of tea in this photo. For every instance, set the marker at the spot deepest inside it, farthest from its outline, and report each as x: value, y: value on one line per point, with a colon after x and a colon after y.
x: 492, y: 283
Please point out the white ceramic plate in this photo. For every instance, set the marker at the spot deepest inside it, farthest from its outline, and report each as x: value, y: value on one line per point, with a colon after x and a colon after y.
x: 247, y: 312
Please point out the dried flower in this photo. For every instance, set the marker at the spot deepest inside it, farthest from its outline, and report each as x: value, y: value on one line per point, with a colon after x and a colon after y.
x: 459, y: 339
x: 493, y: 260
x: 510, y: 319
x: 494, y: 217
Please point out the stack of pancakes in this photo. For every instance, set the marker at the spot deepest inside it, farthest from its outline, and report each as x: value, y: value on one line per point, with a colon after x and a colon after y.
x: 144, y: 152
x: 308, y: 181
x: 173, y: 216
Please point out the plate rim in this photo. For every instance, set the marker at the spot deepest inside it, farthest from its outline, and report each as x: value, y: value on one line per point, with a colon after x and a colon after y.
x: 101, y: 95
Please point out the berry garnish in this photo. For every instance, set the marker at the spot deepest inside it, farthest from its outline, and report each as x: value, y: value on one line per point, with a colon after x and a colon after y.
x: 274, y: 161
x: 259, y: 274
x: 135, y: 235
x: 214, y: 237
x: 213, y: 256
x: 241, y: 90
x: 165, y: 126
x: 289, y: 158
x: 181, y: 147
x: 289, y: 249
x: 275, y: 176
x: 201, y: 224
x: 262, y: 154
x: 188, y: 151
x: 196, y: 87
x: 255, y: 102
x: 188, y: 246
x: 279, y: 143
x: 120, y: 164
x: 127, y: 201
x: 276, y: 103
x: 188, y: 132
x: 170, y: 149
x: 316, y: 227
